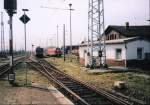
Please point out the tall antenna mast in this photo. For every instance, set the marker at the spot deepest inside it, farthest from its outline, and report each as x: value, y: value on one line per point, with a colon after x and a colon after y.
x: 2, y: 35
x: 96, y: 32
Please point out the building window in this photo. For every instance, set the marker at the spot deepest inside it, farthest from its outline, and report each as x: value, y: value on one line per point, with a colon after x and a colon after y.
x: 114, y: 36
x: 108, y: 37
x: 118, y: 53
x: 139, y: 53
x: 111, y: 37
x: 147, y: 56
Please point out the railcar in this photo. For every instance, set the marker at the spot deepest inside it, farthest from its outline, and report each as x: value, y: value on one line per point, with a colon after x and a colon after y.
x: 53, y: 51
x: 39, y: 52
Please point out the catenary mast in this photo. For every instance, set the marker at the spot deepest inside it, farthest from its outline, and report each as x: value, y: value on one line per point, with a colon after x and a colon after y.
x: 96, y: 32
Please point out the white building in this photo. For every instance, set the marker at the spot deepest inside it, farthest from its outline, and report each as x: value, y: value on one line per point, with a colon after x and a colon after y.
x: 127, y: 46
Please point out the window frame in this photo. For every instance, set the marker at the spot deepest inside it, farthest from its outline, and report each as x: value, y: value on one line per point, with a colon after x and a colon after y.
x: 141, y: 56
x: 117, y: 56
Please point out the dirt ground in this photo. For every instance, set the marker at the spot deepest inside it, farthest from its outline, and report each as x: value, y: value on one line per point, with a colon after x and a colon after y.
x: 22, y: 95
x: 137, y: 83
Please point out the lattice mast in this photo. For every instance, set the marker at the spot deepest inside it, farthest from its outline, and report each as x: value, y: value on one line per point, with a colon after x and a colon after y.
x: 96, y: 31
x: 2, y: 35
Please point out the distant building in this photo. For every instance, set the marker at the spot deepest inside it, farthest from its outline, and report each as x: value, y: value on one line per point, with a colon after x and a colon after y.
x: 127, y: 46
x: 75, y: 49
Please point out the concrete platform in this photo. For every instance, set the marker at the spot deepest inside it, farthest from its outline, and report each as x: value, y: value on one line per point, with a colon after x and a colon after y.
x: 103, y: 70
x: 33, y: 95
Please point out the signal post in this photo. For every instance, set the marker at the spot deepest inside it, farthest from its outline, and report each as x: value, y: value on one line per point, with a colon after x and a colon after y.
x: 11, y: 6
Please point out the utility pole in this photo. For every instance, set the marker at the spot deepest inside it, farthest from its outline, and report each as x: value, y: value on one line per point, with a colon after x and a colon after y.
x: 64, y: 42
x: 57, y: 37
x: 11, y: 6
x: 2, y: 35
x: 70, y: 33
x: 96, y: 32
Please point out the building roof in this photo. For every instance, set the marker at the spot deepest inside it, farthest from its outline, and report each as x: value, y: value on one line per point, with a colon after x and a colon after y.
x: 123, y: 40
x: 116, y: 41
x: 131, y: 31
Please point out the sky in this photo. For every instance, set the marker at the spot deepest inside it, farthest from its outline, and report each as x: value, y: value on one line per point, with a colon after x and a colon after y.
x: 42, y: 28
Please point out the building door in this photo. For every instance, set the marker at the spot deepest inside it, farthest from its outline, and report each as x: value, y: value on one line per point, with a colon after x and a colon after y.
x: 139, y: 53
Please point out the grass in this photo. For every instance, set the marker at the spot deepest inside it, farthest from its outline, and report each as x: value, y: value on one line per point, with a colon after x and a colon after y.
x: 32, y: 77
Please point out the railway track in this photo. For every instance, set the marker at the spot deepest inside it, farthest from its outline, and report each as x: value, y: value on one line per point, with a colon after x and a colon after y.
x: 4, y: 69
x: 77, y: 91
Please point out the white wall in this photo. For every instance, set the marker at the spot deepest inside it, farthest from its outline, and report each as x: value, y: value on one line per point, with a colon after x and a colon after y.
x: 131, y: 52
x: 132, y: 48
x: 111, y: 51
x: 82, y: 51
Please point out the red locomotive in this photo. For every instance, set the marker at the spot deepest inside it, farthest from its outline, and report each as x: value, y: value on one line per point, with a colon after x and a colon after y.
x: 53, y: 51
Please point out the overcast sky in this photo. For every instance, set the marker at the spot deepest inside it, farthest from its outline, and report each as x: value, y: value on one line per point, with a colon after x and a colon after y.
x: 41, y: 29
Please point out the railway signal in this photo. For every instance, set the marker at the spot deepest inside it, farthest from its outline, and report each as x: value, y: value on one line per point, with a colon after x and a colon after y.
x: 11, y: 6
x: 24, y: 18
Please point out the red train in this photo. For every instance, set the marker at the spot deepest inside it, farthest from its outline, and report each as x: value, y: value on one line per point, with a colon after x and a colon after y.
x: 53, y: 51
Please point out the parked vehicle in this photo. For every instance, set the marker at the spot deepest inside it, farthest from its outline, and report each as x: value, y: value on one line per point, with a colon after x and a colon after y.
x: 39, y: 52
x: 53, y: 51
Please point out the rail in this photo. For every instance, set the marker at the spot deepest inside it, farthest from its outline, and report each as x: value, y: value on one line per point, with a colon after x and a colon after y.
x: 79, y: 92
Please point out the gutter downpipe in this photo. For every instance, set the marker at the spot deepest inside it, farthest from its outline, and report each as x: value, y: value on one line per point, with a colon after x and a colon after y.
x: 125, y: 54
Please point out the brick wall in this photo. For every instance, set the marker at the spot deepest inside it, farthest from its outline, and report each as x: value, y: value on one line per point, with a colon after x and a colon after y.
x: 82, y: 61
x: 144, y: 64
x: 112, y: 62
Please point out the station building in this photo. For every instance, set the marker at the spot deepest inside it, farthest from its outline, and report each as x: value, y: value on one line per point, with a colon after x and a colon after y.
x: 126, y: 46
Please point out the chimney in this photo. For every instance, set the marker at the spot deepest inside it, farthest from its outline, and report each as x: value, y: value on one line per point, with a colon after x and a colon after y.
x: 127, y: 25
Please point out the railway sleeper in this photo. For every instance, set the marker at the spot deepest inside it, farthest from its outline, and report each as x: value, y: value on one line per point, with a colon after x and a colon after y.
x: 62, y: 77
x: 74, y: 87
x: 79, y: 89
x: 67, y: 83
x: 71, y: 82
x: 57, y: 74
x: 98, y: 101
x: 82, y: 93
x: 88, y: 96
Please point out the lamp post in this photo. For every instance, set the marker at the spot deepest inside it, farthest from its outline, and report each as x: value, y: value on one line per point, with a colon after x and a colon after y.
x: 70, y: 33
